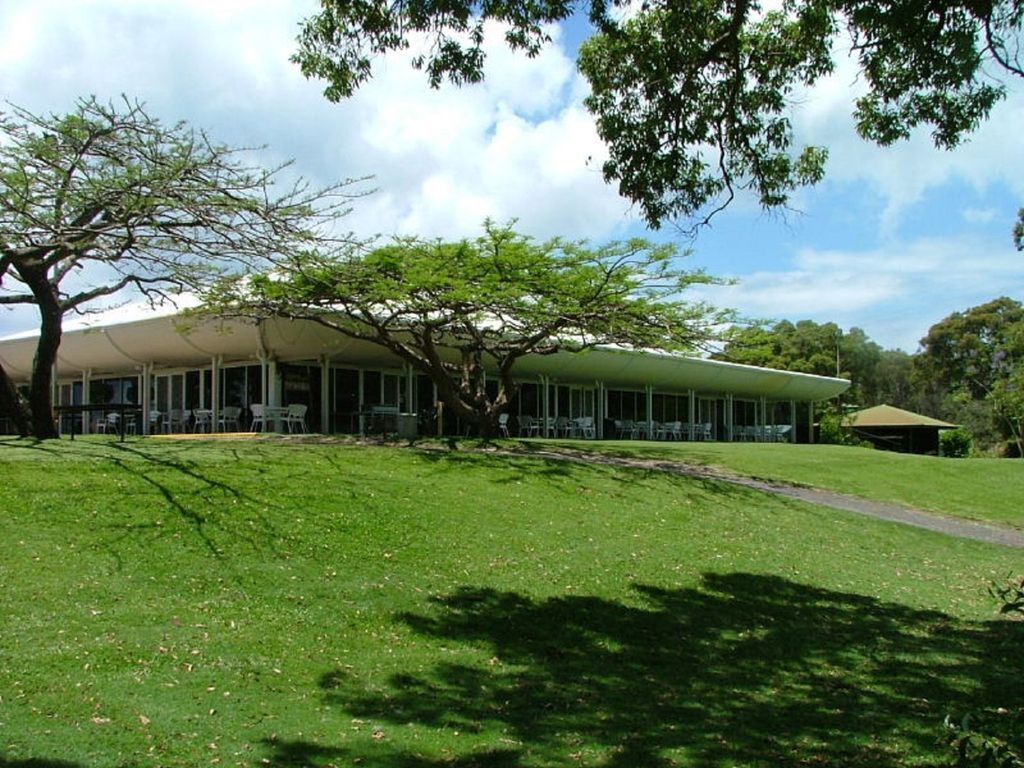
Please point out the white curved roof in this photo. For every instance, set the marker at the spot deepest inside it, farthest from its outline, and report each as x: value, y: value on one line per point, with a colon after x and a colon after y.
x: 122, y: 341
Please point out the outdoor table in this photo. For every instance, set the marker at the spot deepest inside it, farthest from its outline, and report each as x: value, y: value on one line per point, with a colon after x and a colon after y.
x: 275, y: 414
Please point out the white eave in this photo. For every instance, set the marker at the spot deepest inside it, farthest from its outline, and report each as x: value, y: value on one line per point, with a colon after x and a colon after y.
x: 129, y: 338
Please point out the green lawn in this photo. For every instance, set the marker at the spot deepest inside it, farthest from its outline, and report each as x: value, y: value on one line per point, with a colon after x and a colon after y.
x: 980, y: 489
x: 252, y: 603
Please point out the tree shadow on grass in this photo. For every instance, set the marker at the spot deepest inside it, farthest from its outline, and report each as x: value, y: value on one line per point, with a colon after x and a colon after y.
x: 506, y: 469
x: 746, y: 670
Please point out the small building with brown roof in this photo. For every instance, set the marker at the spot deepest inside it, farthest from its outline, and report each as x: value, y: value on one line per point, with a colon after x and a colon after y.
x: 895, y: 429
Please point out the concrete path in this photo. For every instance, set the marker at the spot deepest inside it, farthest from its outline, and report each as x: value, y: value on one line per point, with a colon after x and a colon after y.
x: 898, y: 513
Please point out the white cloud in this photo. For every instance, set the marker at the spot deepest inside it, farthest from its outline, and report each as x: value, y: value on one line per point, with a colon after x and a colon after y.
x: 894, y: 292
x: 515, y: 146
x: 980, y: 215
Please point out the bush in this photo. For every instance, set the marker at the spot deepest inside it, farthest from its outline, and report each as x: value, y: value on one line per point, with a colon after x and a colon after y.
x: 992, y: 737
x: 834, y: 430
x: 955, y: 443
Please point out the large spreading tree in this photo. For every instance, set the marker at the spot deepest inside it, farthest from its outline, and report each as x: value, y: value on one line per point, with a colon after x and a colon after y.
x: 465, y: 312
x: 823, y: 349
x: 108, y: 200
x: 971, y: 364
x: 693, y: 98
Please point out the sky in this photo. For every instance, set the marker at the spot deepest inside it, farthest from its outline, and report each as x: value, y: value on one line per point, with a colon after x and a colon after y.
x: 891, y: 242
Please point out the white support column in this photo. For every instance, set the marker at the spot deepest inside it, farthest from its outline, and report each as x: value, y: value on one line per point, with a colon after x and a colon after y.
x: 325, y: 394
x: 810, y: 422
x: 691, y: 416
x: 730, y: 416
x: 546, y: 405
x: 792, y: 421
x: 273, y: 395
x: 147, y: 396
x: 600, y: 408
x: 264, y: 381
x: 649, y: 397
x: 215, y: 393
x: 762, y: 432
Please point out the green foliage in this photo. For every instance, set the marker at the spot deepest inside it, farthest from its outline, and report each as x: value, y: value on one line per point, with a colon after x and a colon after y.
x: 973, y: 362
x: 1018, y: 231
x: 955, y: 443
x: 120, y: 202
x: 458, y: 310
x: 987, y: 738
x: 893, y: 383
x: 823, y: 349
x: 993, y: 737
x: 693, y: 99
x: 832, y: 430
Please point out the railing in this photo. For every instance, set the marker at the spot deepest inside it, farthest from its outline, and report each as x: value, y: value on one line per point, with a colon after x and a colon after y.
x: 104, y: 409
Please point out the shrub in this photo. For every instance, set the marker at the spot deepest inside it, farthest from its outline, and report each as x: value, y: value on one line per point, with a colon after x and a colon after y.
x: 955, y: 443
x: 992, y: 737
x: 833, y: 430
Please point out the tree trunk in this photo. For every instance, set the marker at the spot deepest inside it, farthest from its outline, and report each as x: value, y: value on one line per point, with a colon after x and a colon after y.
x: 51, y: 316
x: 11, y: 404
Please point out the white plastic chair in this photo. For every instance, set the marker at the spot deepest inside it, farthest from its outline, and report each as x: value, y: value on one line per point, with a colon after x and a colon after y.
x: 228, y: 417
x: 295, y: 416
x: 503, y: 425
x: 584, y: 427
x: 257, y: 417
x: 528, y: 426
x: 108, y: 423
x: 174, y: 420
x: 203, y: 420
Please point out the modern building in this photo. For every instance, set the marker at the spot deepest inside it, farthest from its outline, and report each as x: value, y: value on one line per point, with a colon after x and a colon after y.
x: 167, y: 365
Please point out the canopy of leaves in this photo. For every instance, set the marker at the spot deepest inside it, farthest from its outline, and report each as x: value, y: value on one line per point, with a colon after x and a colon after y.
x: 111, y: 195
x: 108, y: 198
x: 973, y: 362
x: 809, y: 347
x: 454, y: 310
x: 693, y: 98
x: 971, y: 350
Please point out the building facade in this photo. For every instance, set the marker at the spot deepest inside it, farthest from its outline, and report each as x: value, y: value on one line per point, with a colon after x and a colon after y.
x: 168, y: 365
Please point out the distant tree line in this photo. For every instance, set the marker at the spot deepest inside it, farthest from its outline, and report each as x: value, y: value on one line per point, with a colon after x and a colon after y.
x: 969, y: 369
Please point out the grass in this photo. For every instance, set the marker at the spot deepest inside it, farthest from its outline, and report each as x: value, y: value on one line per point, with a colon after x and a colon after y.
x: 251, y: 603
x: 979, y: 489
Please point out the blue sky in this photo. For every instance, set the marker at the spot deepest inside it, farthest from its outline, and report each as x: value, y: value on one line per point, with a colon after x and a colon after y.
x: 894, y: 240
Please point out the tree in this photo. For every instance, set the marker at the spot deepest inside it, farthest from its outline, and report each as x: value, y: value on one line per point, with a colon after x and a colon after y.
x: 692, y: 98
x: 462, y: 311
x: 107, y: 199
x: 973, y: 363
x: 893, y: 381
x: 1018, y: 231
x: 809, y: 347
x: 966, y: 350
